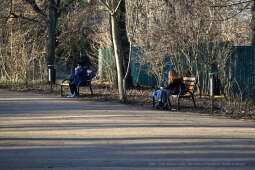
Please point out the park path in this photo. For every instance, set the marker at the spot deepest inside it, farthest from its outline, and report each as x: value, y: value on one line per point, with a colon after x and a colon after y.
x: 50, y: 132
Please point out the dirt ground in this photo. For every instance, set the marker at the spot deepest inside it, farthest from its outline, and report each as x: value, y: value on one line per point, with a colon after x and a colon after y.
x: 40, y: 131
x: 142, y: 96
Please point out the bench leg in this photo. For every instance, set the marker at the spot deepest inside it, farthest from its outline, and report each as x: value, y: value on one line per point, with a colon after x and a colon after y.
x: 61, y: 90
x: 193, y: 98
x: 91, y: 91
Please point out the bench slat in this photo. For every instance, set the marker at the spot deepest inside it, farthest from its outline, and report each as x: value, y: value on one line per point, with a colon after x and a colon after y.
x: 190, y: 84
x: 189, y: 78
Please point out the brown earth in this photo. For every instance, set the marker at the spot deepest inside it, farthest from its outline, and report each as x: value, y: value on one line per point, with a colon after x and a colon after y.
x: 142, y: 96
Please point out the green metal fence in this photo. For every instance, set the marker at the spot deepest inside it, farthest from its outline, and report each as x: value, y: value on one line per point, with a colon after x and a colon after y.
x: 242, y: 69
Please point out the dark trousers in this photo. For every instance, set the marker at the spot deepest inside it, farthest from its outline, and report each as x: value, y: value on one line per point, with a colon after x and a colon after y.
x: 163, y: 95
x: 73, y: 88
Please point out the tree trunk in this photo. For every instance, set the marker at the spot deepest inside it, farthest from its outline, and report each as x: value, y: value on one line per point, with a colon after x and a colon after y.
x: 124, y: 44
x: 118, y: 58
x: 115, y: 78
x: 253, y: 23
x: 51, y: 33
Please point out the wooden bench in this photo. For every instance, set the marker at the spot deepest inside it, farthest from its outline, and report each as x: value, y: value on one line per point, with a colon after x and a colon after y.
x: 85, y: 83
x: 186, y: 92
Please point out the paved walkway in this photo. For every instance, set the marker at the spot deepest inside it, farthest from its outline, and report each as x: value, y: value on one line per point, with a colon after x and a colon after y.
x: 48, y: 132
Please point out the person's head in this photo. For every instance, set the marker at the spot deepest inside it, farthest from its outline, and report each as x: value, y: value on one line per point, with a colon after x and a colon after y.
x: 79, y: 65
x: 172, y: 75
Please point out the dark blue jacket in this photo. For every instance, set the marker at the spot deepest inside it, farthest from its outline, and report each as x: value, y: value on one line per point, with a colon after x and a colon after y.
x: 79, y: 75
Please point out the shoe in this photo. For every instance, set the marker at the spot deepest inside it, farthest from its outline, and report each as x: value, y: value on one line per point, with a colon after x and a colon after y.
x: 71, y: 95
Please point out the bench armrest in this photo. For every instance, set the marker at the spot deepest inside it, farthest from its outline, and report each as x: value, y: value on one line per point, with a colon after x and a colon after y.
x: 65, y: 81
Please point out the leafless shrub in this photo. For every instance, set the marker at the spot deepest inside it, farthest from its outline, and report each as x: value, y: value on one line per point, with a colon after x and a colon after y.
x: 235, y: 101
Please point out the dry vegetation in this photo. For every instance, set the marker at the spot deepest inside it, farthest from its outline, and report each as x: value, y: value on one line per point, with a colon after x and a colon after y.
x: 142, y: 97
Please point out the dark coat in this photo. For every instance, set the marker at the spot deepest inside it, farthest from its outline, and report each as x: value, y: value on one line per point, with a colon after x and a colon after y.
x: 79, y: 76
x: 175, y: 86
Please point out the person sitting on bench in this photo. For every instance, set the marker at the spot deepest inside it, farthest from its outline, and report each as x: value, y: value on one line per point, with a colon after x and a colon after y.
x: 174, y: 82
x: 79, y: 75
x: 172, y: 87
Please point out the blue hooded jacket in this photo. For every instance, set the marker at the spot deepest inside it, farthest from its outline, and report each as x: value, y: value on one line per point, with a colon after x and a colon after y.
x: 79, y: 76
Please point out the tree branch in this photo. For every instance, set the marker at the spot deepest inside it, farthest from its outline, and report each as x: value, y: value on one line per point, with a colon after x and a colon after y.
x: 107, y: 7
x: 232, y: 16
x: 117, y: 7
x: 232, y: 4
x: 13, y: 15
x: 111, y: 11
x: 63, y: 8
x: 36, y: 8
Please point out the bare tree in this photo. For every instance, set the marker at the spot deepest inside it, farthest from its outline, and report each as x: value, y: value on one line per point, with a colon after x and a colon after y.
x: 189, y: 34
x: 112, y: 7
x: 22, y: 45
x: 48, y: 12
x: 240, y: 14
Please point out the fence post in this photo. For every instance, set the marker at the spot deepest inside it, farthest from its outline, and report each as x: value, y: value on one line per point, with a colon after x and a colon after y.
x: 211, y: 82
x: 52, y: 75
